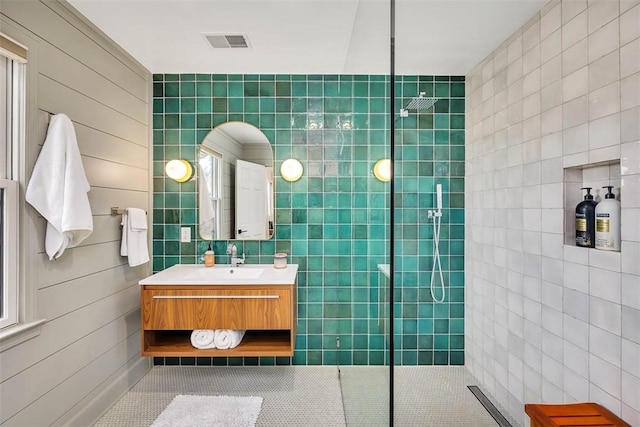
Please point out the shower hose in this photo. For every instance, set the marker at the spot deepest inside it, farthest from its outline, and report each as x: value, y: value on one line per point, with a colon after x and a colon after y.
x: 437, y: 217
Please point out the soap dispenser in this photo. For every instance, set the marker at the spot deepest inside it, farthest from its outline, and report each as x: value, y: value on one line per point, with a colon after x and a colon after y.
x: 585, y: 221
x: 608, y: 222
x: 209, y: 257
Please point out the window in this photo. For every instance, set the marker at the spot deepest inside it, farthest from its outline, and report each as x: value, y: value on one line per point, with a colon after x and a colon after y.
x: 12, y: 116
x: 210, y: 166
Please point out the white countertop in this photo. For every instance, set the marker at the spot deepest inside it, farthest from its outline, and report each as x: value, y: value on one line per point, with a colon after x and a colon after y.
x: 246, y: 274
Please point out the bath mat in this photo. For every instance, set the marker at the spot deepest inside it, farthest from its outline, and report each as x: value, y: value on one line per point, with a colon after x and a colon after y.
x: 208, y: 411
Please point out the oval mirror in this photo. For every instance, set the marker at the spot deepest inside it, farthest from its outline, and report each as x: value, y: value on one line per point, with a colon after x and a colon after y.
x: 235, y: 184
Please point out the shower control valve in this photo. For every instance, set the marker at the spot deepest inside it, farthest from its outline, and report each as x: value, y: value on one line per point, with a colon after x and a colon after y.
x: 433, y: 213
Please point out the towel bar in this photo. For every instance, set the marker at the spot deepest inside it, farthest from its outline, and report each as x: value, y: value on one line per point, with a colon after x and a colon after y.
x: 115, y: 211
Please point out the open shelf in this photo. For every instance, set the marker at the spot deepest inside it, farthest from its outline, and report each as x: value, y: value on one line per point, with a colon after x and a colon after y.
x: 254, y: 343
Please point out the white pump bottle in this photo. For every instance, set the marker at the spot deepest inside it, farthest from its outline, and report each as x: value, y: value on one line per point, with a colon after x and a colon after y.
x: 608, y: 222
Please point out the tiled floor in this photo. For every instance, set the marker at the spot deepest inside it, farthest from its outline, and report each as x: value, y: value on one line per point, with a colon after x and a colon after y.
x: 314, y: 395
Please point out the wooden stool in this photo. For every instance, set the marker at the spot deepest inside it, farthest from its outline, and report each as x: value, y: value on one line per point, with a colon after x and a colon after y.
x: 572, y: 414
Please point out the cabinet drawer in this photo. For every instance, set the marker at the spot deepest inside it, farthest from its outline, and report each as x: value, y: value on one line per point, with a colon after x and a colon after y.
x: 216, y: 309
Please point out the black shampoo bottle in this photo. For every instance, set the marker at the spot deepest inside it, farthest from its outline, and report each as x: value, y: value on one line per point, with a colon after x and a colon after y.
x: 586, y: 221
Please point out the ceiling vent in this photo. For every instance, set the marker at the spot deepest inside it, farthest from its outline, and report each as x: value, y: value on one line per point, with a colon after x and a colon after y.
x: 223, y: 41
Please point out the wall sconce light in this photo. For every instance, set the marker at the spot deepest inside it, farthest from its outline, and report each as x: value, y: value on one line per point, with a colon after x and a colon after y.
x: 382, y: 170
x: 179, y: 170
x: 291, y: 170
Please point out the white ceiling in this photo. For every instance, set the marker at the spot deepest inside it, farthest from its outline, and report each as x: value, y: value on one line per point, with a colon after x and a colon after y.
x: 432, y: 37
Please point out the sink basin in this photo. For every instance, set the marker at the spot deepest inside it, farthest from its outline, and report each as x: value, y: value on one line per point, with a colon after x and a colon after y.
x: 225, y: 273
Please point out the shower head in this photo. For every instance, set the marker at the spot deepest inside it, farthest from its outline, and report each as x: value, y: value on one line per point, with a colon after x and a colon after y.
x: 420, y: 103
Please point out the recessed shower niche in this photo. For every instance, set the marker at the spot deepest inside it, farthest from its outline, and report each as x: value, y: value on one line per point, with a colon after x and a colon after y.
x: 594, y: 175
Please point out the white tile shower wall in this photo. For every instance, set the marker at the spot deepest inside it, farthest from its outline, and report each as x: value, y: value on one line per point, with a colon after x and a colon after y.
x: 545, y: 321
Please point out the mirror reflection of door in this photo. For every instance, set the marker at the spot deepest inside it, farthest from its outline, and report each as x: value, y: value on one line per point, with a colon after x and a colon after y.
x: 251, y: 191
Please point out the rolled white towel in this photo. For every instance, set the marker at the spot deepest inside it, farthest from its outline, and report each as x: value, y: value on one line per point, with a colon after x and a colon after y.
x: 203, y: 338
x: 228, y: 338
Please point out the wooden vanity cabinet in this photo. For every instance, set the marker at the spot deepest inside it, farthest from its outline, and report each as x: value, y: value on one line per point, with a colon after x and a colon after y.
x: 171, y: 312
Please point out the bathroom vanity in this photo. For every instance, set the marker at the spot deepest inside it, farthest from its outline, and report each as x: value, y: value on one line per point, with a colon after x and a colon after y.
x: 255, y: 297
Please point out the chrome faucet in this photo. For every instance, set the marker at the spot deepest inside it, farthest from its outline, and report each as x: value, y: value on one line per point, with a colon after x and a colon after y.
x: 232, y: 250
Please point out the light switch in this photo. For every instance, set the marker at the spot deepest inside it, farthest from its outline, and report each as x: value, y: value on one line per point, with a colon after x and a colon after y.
x: 185, y: 234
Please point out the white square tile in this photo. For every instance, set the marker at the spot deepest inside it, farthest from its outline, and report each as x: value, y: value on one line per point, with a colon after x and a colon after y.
x: 604, y: 101
x: 629, y: 28
x: 577, y: 255
x: 630, y: 394
x: 570, y: 9
x: 631, y: 357
x: 573, y: 160
x: 576, y: 359
x: 626, y: 5
x: 551, y: 196
x: 575, y: 386
x: 551, y: 71
x: 550, y: 21
x: 551, y: 146
x: 605, y: 345
x: 605, y: 315
x: 630, y: 125
x: 532, y: 151
x: 531, y: 128
x: 531, y: 105
x: 604, y: 375
x: 531, y: 36
x: 531, y: 82
x: 604, y: 40
x: 605, y: 70
x: 552, y: 245
x: 630, y: 254
x: 551, y: 294
x: 601, y: 12
x: 630, y: 224
x: 629, y: 58
x: 630, y: 191
x: 551, y: 322
x: 531, y: 60
x: 575, y: 84
x: 551, y: 46
x: 514, y: 50
x: 630, y: 91
x: 604, y: 259
x: 576, y: 276
x: 604, y: 132
x: 574, y: 30
x: 576, y: 304
x: 576, y: 331
x: 575, y: 112
x: 552, y: 368
x: 551, y: 171
x: 605, y: 284
x: 576, y: 57
x: 631, y: 291
x: 604, y: 154
x: 575, y: 139
x: 551, y: 96
x: 551, y: 120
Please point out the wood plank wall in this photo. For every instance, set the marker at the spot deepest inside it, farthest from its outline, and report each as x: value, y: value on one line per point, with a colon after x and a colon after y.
x: 88, y: 351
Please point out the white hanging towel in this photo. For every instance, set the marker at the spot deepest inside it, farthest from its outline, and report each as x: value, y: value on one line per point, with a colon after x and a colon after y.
x: 134, y: 236
x: 58, y: 189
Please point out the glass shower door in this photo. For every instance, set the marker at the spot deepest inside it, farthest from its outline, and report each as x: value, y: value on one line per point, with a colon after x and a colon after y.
x: 364, y: 356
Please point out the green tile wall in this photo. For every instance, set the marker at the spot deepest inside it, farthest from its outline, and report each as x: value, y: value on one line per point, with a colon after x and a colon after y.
x: 334, y: 221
